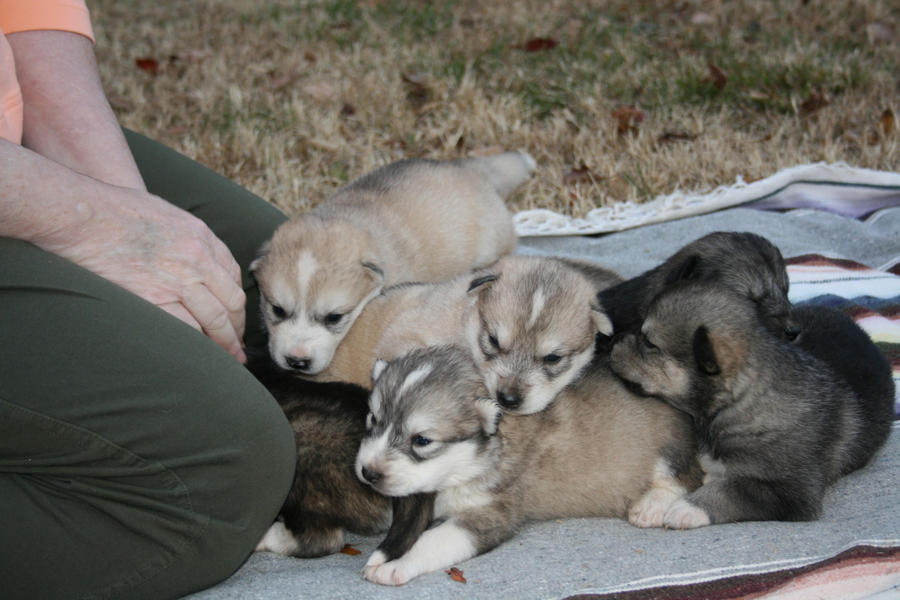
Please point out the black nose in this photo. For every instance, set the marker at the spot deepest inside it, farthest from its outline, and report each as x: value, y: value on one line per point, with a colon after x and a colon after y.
x: 509, y: 399
x: 298, y: 364
x: 370, y: 475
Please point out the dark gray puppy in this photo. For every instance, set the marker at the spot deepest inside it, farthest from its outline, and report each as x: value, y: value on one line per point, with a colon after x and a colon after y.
x: 776, y: 421
x: 326, y: 498
x: 744, y: 262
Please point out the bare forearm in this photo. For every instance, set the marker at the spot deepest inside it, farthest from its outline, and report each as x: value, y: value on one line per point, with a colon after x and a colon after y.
x: 67, y: 116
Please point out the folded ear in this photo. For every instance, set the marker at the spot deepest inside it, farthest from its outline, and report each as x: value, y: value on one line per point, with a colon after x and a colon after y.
x: 374, y: 271
x: 260, y: 254
x: 482, y: 281
x: 705, y: 353
x: 378, y: 369
x: 490, y: 414
x: 687, y: 269
x: 601, y: 320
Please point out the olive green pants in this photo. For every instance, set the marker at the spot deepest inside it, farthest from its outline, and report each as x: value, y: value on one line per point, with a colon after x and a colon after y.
x: 137, y: 458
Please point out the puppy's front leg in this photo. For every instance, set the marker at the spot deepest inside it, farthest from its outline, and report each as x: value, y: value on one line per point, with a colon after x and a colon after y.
x: 411, y: 516
x: 443, y: 546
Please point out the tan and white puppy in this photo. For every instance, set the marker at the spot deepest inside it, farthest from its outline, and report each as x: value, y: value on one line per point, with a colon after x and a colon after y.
x: 532, y: 329
x: 598, y: 450
x: 413, y: 220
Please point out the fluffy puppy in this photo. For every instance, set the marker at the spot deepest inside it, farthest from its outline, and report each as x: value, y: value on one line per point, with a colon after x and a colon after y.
x: 776, y: 421
x: 414, y: 220
x: 745, y: 262
x: 326, y: 499
x: 597, y: 450
x: 532, y: 328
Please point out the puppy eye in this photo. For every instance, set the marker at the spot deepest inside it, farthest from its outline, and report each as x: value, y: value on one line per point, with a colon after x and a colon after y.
x: 279, y: 312
x: 648, y: 345
x: 552, y: 359
x: 492, y: 340
x: 420, y: 440
x: 370, y: 421
x: 333, y: 318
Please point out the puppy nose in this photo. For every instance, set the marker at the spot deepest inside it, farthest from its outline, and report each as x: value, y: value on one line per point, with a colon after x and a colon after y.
x: 370, y: 475
x: 509, y: 399
x: 298, y: 364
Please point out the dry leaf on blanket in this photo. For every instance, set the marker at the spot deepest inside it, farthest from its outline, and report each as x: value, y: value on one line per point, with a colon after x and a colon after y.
x: 148, y: 65
x: 348, y: 549
x: 456, y: 575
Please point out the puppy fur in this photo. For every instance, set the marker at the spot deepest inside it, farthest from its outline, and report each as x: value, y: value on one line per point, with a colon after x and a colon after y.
x: 326, y: 498
x: 776, y: 421
x: 598, y: 450
x: 414, y: 220
x: 745, y: 262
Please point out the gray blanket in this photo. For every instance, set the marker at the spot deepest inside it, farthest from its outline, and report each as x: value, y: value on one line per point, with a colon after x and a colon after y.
x: 561, y: 558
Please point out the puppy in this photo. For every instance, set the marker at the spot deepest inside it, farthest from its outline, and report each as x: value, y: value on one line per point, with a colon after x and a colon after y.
x: 595, y: 451
x: 745, y: 262
x: 776, y: 421
x: 326, y: 498
x: 532, y: 328
x: 414, y: 220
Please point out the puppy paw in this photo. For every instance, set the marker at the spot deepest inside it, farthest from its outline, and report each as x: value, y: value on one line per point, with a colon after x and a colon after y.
x: 278, y: 539
x: 684, y: 515
x: 650, y: 509
x: 377, y: 559
x: 389, y: 573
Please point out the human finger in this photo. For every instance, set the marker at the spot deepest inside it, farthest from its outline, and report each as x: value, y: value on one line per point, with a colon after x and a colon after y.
x: 214, y: 318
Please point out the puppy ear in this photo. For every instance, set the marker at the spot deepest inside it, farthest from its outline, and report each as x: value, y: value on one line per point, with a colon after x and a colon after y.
x: 686, y: 270
x: 260, y: 254
x: 704, y: 353
x: 490, y: 413
x: 601, y: 320
x: 483, y: 280
x: 378, y: 369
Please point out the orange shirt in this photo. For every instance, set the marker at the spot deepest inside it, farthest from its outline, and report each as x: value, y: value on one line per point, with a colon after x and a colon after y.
x: 29, y: 15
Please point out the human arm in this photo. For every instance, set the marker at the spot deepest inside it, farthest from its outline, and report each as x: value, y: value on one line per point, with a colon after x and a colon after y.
x: 75, y: 190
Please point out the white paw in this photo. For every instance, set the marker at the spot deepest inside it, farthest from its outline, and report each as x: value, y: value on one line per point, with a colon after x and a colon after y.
x: 378, y: 558
x: 650, y: 509
x: 278, y: 539
x: 684, y: 515
x: 389, y: 573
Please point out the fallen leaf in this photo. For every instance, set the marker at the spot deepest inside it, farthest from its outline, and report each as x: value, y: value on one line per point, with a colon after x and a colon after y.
x: 674, y: 136
x: 310, y: 56
x: 539, y: 44
x: 348, y: 109
x: 627, y: 119
x: 348, y: 549
x: 580, y: 174
x: 456, y: 575
x: 148, y: 65
x: 814, y: 102
x: 717, y: 77
x: 887, y: 123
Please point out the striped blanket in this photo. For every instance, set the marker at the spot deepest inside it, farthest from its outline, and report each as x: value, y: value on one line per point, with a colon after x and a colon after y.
x: 870, y: 296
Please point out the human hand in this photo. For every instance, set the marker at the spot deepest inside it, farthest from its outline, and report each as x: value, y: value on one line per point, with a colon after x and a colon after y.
x: 160, y: 253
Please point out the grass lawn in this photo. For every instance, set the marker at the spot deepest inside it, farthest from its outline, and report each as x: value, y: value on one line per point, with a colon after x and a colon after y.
x: 617, y: 100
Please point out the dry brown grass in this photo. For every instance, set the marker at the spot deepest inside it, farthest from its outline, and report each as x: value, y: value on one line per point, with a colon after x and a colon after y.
x: 292, y: 99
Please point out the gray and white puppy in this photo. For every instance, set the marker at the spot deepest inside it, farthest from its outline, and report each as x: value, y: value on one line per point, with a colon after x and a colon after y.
x: 413, y: 220
x: 776, y: 421
x: 326, y: 498
x: 597, y: 450
x: 747, y: 263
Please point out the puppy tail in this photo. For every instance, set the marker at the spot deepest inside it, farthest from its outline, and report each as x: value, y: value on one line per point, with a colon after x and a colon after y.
x: 505, y: 171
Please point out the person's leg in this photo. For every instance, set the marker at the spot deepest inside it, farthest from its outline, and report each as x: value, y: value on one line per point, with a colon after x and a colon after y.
x: 137, y: 458
x: 239, y: 218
